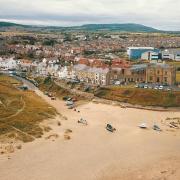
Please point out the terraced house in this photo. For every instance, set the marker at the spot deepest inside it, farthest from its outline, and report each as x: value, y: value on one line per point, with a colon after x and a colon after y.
x: 92, y: 75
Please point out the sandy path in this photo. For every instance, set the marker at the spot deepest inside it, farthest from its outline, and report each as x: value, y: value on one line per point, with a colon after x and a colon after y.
x: 93, y: 153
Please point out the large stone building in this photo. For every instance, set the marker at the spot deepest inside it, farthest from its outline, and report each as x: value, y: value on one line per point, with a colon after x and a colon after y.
x: 134, y: 73
x: 161, y: 73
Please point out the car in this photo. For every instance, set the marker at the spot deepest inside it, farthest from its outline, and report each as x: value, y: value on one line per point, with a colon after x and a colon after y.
x: 169, y: 89
x: 145, y: 86
x: 117, y: 83
x: 65, y: 98
x: 83, y: 121
x: 141, y: 85
x: 69, y: 103
x: 136, y: 86
x: 156, y: 87
x: 161, y: 87
x: 53, y: 98
x: 71, y: 107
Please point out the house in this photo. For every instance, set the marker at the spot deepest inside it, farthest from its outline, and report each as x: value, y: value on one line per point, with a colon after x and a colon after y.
x: 42, y: 68
x: 92, y: 75
x: 8, y: 64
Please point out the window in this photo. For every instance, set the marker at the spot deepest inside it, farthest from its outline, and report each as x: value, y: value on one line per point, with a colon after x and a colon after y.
x: 150, y: 78
x: 158, y: 79
x: 165, y: 79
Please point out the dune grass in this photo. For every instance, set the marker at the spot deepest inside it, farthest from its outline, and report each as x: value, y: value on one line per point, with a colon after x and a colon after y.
x: 21, y: 111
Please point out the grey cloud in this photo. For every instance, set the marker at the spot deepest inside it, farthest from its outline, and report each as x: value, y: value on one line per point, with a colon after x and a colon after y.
x: 162, y: 14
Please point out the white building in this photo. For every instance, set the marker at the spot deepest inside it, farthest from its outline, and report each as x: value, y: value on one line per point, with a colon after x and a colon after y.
x: 42, y: 68
x: 171, y: 54
x: 8, y: 64
x: 150, y: 55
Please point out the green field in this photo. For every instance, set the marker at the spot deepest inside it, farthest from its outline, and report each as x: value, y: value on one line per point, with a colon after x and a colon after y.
x: 145, y: 97
x: 21, y: 111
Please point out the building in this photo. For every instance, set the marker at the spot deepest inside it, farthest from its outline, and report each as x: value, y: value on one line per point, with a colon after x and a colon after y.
x: 150, y: 55
x: 134, y: 73
x: 161, y: 73
x: 8, y: 64
x: 92, y: 75
x: 171, y: 54
x: 136, y: 52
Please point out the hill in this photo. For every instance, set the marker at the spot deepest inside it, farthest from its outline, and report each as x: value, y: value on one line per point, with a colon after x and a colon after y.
x: 86, y: 27
x: 119, y: 27
x: 9, y: 24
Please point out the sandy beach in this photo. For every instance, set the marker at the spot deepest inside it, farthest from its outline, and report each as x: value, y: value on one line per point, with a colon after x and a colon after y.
x: 93, y: 153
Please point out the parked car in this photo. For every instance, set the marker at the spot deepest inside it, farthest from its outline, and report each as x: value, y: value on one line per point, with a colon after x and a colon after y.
x: 156, y: 87
x: 145, y: 86
x: 161, y: 87
x: 69, y: 103
x: 117, y: 83
x: 53, y: 98
x: 65, y: 98
x: 150, y: 86
x: 71, y: 107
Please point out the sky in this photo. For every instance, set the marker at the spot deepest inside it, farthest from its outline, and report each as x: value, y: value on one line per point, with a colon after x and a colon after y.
x: 160, y: 14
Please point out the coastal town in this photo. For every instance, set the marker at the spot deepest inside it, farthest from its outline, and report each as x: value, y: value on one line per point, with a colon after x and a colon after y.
x: 89, y: 90
x: 94, y: 59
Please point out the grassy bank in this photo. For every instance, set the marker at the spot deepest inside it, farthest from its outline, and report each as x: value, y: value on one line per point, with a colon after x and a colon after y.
x: 21, y: 111
x: 178, y: 76
x: 140, y: 96
x: 47, y: 84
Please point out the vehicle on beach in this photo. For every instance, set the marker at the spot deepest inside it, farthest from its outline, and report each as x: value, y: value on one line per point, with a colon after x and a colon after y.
x: 65, y: 98
x: 110, y: 128
x: 156, y: 128
x: 143, y: 126
x: 69, y: 103
x: 83, y: 121
x: 53, y: 98
x: 71, y: 107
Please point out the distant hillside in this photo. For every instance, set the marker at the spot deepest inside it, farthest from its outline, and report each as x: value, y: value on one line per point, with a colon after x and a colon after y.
x: 119, y: 27
x: 87, y: 27
x: 9, y: 24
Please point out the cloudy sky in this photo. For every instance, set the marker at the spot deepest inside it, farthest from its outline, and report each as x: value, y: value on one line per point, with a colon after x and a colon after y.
x: 161, y: 14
